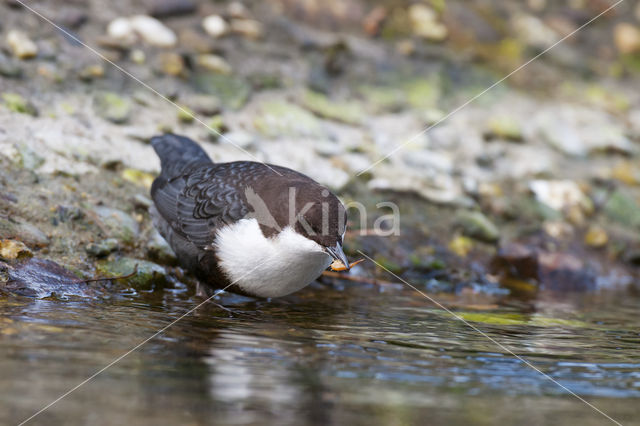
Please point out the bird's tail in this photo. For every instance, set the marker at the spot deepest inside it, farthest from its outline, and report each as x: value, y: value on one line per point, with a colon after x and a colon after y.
x: 177, y: 154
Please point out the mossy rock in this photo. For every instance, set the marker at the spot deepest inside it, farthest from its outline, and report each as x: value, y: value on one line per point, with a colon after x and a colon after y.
x: 623, y: 209
x: 278, y: 118
x: 147, y: 276
x: 348, y: 112
x: 476, y: 225
x: 232, y: 91
x: 16, y: 103
x: 112, y: 107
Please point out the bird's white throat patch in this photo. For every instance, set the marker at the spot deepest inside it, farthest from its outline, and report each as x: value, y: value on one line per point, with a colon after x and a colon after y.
x: 268, y: 267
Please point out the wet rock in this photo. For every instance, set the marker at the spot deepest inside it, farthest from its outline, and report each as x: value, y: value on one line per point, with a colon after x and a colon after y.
x: 596, y: 237
x: 232, y: 90
x: 159, y: 250
x: 349, y: 112
x: 424, y: 23
x: 278, y: 118
x: 102, y: 248
x: 213, y: 63
x: 45, y: 278
x: 627, y: 38
x: 565, y: 272
x: 147, y: 276
x: 476, y: 225
x: 517, y: 261
x: 560, y: 194
x: 18, y: 229
x: 167, y: 8
x: 21, y: 45
x: 153, y: 31
x: 117, y: 223
x: 623, y: 209
x: 248, y: 28
x: 12, y: 250
x: 215, y: 26
x: 504, y: 127
x: 171, y: 63
x: 16, y: 103
x: 112, y: 107
x: 8, y: 67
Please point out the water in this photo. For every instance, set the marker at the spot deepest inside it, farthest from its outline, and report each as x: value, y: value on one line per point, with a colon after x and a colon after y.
x: 355, y: 355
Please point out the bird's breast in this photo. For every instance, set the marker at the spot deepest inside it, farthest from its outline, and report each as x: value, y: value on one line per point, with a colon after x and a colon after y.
x: 268, y: 267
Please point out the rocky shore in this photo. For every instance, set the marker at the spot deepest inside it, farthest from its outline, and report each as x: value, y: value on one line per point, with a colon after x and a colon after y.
x: 535, y: 185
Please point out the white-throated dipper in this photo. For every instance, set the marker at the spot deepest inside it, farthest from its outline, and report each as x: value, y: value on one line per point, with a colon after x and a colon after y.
x: 267, y: 229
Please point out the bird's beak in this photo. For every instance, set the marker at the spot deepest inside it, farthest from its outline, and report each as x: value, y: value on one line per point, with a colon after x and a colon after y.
x: 337, y: 253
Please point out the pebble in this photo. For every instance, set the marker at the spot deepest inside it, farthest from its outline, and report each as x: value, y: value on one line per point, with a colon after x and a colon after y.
x: 204, y: 104
x: 559, y: 194
x: 171, y: 63
x: 118, y: 223
x: 215, y: 26
x: 476, y: 225
x: 18, y: 229
x: 153, y: 31
x: 121, y: 30
x: 213, y: 63
x: 102, y: 248
x: 627, y: 38
x: 16, y: 103
x: 238, y: 10
x: 12, y: 249
x: 8, y: 67
x: 159, y: 250
x: 596, y: 237
x: 21, y: 45
x: 248, y: 28
x: 112, y: 107
x: 504, y: 127
x: 425, y: 24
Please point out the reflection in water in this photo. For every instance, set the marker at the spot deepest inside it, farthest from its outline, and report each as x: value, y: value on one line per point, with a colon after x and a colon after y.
x: 321, y: 356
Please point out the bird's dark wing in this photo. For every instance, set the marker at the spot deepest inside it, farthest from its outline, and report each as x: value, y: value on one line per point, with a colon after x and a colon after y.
x: 197, y: 204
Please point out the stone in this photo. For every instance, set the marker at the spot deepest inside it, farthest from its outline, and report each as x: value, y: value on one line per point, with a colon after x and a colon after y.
x: 117, y: 223
x: 533, y: 31
x: 560, y: 194
x: 596, y: 237
x: 504, y: 127
x: 194, y: 41
x: 102, y: 248
x: 215, y: 26
x: 461, y: 245
x: 92, y: 72
x: 627, y: 38
x: 171, y: 63
x: 8, y: 67
x: 71, y: 17
x: 185, y: 115
x: 120, y: 29
x: 153, y: 31
x: 280, y: 118
x: 476, y: 225
x: 233, y: 91
x: 16, y: 103
x: 623, y: 209
x: 21, y: 45
x: 204, y: 104
x: 248, y: 28
x: 112, y: 107
x: 425, y: 24
x: 168, y: 8
x: 18, y: 229
x: 12, y: 250
x: 213, y: 63
x: 240, y: 138
x: 236, y: 9
x: 159, y: 250
x: 348, y: 112
x: 147, y: 274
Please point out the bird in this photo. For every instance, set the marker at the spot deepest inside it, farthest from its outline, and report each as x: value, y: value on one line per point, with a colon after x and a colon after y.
x: 252, y: 228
